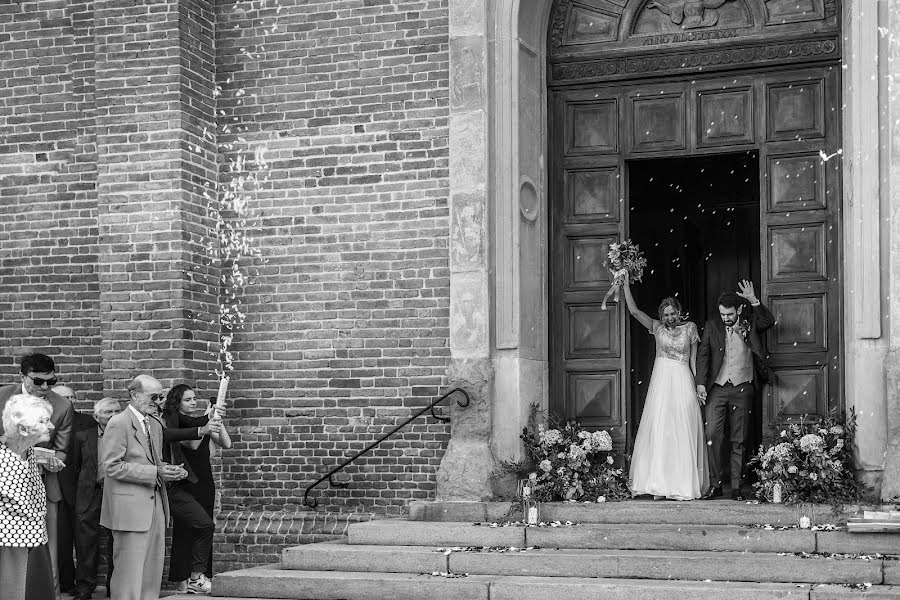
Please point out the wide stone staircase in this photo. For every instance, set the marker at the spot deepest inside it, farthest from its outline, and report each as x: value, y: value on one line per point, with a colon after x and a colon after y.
x: 634, y: 550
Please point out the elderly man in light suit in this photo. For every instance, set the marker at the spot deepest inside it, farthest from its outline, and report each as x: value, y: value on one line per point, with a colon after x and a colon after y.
x: 135, y: 507
x: 37, y: 378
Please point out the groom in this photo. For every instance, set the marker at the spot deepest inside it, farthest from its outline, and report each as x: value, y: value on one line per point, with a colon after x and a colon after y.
x: 731, y: 368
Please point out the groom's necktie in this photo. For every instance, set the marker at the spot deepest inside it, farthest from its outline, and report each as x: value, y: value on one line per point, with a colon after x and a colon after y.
x: 729, y: 330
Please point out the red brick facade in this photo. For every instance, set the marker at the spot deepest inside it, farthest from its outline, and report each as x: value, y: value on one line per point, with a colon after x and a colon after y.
x: 111, y: 136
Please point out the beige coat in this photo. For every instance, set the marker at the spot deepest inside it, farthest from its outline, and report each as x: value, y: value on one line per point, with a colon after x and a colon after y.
x: 130, y: 475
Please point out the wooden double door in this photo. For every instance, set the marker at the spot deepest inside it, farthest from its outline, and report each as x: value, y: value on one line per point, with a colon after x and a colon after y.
x: 789, y: 121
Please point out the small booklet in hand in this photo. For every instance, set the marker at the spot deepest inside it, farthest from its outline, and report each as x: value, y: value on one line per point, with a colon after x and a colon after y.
x: 43, y: 455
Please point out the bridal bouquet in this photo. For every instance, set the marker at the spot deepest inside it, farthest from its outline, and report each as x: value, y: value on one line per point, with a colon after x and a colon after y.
x: 625, y: 260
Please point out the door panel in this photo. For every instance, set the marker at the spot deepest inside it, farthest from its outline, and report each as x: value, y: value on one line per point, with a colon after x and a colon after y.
x: 725, y: 117
x: 592, y: 127
x: 795, y: 108
x: 658, y: 118
x: 585, y: 218
x: 801, y: 228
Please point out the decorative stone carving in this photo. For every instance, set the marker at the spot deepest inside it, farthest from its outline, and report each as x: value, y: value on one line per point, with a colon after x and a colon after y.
x: 699, y: 59
x: 467, y: 231
x: 558, y: 25
x: 691, y: 14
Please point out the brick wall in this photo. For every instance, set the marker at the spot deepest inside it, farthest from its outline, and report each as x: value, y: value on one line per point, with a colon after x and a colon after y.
x: 49, y: 299
x: 347, y: 327
x: 107, y: 161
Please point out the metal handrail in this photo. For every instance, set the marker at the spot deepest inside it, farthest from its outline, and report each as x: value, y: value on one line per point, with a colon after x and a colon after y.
x: 313, y: 503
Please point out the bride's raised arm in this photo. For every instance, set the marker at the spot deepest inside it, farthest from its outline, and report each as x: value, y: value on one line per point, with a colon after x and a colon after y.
x: 637, y: 313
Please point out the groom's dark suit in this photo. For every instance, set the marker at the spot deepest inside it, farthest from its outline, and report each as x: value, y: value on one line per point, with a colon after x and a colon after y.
x: 729, y: 400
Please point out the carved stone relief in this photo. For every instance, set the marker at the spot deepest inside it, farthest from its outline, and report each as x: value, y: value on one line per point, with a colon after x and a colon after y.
x: 690, y: 14
x: 630, y: 23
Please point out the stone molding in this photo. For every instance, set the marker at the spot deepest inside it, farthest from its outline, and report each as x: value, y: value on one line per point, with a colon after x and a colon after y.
x: 745, y: 55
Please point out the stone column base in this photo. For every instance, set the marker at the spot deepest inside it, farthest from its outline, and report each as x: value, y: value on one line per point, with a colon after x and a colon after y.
x: 469, y: 465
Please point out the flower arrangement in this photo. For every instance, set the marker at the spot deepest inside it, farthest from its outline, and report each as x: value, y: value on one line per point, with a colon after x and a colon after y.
x: 812, y: 462
x: 625, y: 261
x: 574, y: 464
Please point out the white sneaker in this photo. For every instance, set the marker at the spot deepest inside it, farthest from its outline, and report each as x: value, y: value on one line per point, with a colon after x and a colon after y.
x: 201, y: 585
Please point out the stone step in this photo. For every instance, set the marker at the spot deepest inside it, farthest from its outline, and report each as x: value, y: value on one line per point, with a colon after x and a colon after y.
x: 617, y: 564
x: 275, y: 583
x: 707, y: 512
x: 592, y: 535
x: 635, y: 536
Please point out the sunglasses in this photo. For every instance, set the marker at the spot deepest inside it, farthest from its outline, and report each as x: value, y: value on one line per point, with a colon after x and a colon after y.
x: 155, y: 397
x: 42, y: 382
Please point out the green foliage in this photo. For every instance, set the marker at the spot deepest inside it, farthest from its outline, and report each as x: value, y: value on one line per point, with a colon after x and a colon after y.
x: 813, y: 462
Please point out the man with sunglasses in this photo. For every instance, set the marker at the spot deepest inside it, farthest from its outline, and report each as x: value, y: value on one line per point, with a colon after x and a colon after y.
x: 38, y: 375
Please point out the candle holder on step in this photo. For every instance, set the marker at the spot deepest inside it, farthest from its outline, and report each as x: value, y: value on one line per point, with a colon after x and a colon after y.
x: 530, y: 507
x: 806, y: 515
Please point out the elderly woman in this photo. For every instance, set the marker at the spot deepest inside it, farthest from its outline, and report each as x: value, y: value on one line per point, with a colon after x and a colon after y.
x: 23, y: 508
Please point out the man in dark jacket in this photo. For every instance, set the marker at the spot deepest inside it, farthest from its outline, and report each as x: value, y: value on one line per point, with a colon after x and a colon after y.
x: 68, y: 481
x: 88, y: 499
x: 731, y: 368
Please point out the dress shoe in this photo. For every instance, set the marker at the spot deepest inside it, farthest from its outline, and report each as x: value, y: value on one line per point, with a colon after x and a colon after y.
x: 737, y: 495
x: 713, y: 492
x: 82, y: 596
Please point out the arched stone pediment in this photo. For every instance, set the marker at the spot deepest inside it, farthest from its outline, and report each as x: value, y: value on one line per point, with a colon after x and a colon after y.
x: 615, y: 39
x: 587, y: 26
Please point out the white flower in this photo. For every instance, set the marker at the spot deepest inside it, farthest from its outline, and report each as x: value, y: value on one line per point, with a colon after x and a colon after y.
x: 783, y: 433
x: 549, y: 437
x: 546, y: 466
x: 836, y: 430
x: 561, y: 455
x: 811, y: 442
x: 601, y: 499
x: 602, y: 441
x: 609, y: 460
x: 792, y: 469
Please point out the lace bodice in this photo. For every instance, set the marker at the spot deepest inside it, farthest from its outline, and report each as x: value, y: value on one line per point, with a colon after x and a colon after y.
x: 675, y: 344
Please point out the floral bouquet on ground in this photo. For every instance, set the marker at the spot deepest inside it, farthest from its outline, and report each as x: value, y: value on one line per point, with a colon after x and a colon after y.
x: 574, y: 464
x: 811, y: 462
x: 625, y: 260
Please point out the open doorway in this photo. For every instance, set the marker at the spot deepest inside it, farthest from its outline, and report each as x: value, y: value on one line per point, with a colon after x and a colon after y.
x: 697, y: 221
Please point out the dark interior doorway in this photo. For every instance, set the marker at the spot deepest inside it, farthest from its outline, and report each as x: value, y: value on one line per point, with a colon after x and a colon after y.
x: 697, y: 221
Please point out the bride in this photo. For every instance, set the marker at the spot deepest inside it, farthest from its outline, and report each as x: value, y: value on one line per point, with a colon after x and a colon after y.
x: 669, y: 458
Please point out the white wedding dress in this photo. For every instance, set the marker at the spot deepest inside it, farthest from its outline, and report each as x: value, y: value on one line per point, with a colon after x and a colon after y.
x: 669, y: 457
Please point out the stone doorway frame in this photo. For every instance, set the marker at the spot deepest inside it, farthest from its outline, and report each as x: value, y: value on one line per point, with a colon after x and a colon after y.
x: 498, y: 238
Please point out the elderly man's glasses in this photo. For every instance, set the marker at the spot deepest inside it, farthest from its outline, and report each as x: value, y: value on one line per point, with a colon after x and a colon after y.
x: 42, y: 382
x: 155, y: 397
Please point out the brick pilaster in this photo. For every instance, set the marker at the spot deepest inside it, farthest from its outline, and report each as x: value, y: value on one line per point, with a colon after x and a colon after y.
x: 154, y: 93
